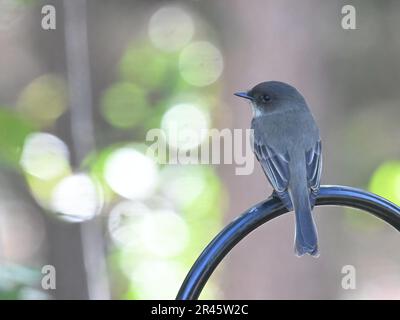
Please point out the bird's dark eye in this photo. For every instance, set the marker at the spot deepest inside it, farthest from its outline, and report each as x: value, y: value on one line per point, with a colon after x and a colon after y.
x: 265, y: 98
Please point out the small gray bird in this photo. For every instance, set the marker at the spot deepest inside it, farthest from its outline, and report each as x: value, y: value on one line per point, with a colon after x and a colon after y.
x: 286, y: 142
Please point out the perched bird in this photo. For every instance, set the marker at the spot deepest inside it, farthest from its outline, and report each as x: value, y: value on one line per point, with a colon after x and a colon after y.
x: 287, y: 144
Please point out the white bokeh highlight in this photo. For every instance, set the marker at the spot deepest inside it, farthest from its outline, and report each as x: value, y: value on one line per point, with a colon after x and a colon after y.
x: 185, y: 126
x: 125, y: 224
x: 171, y: 28
x: 165, y: 233
x: 201, y: 63
x: 44, y: 156
x: 131, y: 174
x: 76, y: 198
x: 156, y: 278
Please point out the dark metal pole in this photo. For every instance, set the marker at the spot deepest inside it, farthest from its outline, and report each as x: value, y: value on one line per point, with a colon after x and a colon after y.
x: 267, y: 210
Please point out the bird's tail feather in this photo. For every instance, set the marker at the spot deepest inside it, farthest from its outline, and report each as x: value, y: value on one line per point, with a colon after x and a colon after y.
x: 306, y: 239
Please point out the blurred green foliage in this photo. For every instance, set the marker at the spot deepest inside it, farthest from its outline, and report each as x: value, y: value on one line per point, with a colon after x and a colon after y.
x: 188, y: 200
x: 44, y: 100
x: 149, y: 68
x: 124, y: 105
x: 386, y: 181
x: 149, y: 84
x: 13, y: 131
x: 147, y: 79
x: 16, y: 281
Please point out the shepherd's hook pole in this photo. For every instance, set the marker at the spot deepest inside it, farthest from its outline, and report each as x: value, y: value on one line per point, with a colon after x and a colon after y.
x: 267, y: 210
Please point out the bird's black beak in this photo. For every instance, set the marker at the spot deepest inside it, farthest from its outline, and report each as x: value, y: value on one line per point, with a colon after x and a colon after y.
x: 243, y: 95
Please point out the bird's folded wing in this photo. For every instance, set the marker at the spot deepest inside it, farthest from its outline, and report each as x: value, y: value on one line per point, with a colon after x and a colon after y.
x: 314, y: 166
x: 276, y: 168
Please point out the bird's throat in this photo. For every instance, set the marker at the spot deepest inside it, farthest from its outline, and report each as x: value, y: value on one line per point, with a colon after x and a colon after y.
x: 256, y: 111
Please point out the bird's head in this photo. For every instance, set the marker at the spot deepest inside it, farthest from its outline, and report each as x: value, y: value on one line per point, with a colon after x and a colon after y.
x: 273, y: 96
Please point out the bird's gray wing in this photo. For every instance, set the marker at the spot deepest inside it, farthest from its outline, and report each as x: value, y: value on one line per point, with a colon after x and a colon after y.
x: 276, y: 168
x: 314, y: 168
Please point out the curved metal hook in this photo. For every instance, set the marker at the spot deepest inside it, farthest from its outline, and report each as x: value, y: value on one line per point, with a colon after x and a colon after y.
x: 267, y: 210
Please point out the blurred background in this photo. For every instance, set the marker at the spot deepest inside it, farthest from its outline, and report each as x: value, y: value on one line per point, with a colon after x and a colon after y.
x: 79, y: 192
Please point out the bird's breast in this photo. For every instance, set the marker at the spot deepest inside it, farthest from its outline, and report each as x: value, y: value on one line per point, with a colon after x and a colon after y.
x: 284, y: 131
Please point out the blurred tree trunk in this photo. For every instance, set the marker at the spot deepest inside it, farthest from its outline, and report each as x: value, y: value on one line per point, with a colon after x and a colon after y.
x: 77, y: 250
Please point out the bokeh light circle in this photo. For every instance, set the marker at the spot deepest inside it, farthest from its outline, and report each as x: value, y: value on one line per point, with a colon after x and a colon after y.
x: 125, y: 224
x: 130, y: 173
x: 165, y: 233
x: 44, y: 100
x: 201, y: 63
x: 191, y: 179
x: 171, y: 28
x: 76, y: 198
x: 146, y: 67
x: 124, y: 105
x: 386, y: 181
x: 44, y: 156
x: 156, y: 278
x: 186, y: 126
